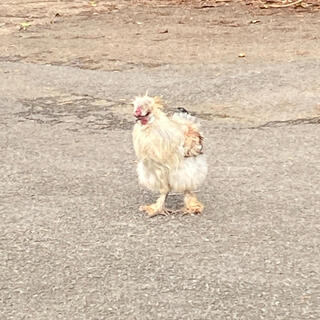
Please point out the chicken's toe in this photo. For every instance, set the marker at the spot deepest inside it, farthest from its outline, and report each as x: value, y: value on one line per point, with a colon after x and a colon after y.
x: 154, y: 210
x: 193, y: 207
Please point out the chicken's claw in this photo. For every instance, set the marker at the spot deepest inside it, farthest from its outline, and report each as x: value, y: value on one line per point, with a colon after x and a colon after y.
x: 193, y: 207
x: 154, y: 210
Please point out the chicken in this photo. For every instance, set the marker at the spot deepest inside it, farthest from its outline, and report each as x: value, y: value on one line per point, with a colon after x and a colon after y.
x: 170, y: 155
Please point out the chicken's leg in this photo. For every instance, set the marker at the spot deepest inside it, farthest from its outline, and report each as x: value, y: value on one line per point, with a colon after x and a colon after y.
x: 192, y: 204
x: 157, y: 208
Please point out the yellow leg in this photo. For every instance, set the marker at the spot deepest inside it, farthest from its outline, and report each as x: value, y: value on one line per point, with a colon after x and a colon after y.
x: 157, y: 208
x: 192, y: 204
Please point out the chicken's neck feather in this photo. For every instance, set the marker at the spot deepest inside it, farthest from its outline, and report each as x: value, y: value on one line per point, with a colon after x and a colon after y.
x: 161, y: 141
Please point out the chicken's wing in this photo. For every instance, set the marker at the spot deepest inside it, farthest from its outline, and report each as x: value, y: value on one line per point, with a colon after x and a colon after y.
x: 193, y: 141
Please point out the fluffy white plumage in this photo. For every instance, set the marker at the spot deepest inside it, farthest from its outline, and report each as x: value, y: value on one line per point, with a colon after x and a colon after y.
x: 169, y: 150
x: 188, y: 176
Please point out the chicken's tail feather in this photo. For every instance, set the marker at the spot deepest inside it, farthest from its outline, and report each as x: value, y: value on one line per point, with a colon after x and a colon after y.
x: 182, y: 115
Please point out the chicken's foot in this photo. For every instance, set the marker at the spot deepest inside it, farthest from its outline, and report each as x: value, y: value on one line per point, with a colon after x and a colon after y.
x: 157, y: 208
x: 192, y: 204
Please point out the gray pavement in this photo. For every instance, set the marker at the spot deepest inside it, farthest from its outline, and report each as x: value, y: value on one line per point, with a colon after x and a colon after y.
x: 73, y: 244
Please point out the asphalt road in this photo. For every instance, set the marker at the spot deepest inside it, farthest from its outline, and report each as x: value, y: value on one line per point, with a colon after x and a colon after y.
x: 73, y: 243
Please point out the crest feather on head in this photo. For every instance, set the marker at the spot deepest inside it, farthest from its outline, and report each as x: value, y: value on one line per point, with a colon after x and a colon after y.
x: 153, y: 102
x: 158, y: 103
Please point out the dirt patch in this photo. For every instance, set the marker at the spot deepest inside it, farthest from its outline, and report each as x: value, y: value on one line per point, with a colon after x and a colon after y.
x: 118, y: 35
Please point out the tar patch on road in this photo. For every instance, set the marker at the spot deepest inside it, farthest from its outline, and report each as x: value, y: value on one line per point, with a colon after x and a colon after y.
x: 78, y: 112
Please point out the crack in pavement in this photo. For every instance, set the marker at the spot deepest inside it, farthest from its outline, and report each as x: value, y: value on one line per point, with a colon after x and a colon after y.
x: 292, y: 122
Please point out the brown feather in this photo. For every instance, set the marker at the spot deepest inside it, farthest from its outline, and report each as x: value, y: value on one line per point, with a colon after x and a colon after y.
x: 192, y: 142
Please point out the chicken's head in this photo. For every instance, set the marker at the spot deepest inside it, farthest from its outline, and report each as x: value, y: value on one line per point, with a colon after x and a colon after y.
x: 143, y: 108
x: 147, y: 109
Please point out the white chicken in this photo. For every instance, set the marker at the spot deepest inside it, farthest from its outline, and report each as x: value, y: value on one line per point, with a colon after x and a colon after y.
x: 170, y: 155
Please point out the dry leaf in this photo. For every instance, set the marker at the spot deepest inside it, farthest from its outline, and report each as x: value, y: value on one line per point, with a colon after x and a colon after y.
x: 24, y: 25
